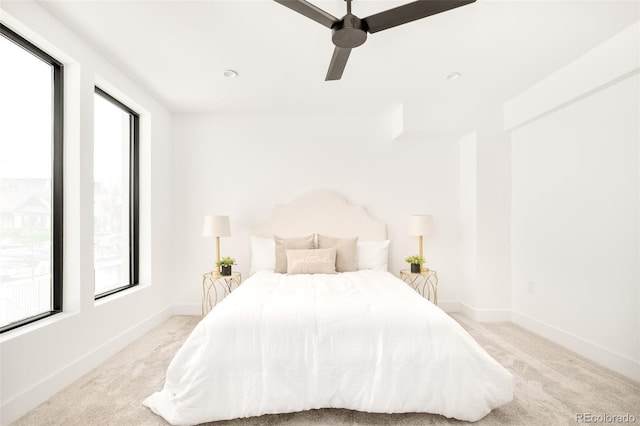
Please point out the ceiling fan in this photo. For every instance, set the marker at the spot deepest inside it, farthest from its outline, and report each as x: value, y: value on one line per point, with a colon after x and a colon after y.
x: 351, y: 31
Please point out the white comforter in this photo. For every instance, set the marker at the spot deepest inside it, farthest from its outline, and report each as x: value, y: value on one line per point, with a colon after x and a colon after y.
x: 358, y: 340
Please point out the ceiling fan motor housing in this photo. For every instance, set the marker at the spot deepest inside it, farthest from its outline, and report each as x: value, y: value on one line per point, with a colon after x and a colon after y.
x: 349, y: 32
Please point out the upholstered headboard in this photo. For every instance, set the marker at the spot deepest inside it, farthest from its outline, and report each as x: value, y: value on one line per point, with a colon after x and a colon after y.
x: 323, y: 212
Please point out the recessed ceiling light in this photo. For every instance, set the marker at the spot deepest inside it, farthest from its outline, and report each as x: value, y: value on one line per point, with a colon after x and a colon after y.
x: 454, y: 76
x: 230, y: 73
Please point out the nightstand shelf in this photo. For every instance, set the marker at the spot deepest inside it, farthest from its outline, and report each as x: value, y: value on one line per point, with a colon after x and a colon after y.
x: 216, y: 287
x: 425, y: 283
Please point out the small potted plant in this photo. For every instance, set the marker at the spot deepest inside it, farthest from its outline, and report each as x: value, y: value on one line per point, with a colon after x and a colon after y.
x: 224, y: 265
x: 415, y: 262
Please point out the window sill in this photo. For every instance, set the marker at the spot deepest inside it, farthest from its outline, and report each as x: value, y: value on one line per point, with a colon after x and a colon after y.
x: 119, y: 295
x: 49, y: 321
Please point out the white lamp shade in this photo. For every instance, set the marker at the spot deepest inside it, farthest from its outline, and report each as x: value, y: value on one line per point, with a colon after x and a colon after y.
x: 421, y: 225
x: 216, y: 226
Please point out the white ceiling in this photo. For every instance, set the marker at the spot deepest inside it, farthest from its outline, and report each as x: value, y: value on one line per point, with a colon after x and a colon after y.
x: 178, y: 50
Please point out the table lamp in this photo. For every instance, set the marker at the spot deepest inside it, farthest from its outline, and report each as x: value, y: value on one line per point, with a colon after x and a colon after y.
x: 216, y: 226
x: 421, y: 226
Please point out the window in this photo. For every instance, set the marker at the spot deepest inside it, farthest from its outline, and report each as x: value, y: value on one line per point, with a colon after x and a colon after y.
x: 31, y: 105
x: 115, y: 195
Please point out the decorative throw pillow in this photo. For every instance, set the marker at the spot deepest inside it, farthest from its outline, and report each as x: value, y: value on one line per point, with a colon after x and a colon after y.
x: 373, y: 255
x: 282, y: 244
x: 346, y: 251
x: 316, y: 261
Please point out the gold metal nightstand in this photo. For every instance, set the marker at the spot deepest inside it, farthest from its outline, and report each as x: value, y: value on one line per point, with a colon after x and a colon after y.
x: 425, y: 282
x: 210, y: 284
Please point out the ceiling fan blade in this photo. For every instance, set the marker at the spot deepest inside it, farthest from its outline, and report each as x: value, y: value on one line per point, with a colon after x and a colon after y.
x: 338, y: 62
x: 410, y: 12
x: 310, y: 11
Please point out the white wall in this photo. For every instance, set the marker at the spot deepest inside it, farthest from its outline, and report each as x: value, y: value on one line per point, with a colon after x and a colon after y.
x: 241, y: 165
x: 493, y: 216
x: 468, y: 194
x: 40, y: 359
x: 484, y: 220
x: 575, y: 206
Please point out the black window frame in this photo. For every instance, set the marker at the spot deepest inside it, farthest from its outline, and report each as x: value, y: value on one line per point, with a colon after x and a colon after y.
x: 57, y: 196
x: 134, y: 194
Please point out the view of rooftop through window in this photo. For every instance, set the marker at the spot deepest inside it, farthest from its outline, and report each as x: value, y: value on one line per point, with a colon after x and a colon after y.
x: 112, y: 139
x: 26, y: 157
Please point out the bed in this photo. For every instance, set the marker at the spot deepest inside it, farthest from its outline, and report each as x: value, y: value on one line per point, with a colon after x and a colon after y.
x: 358, y: 339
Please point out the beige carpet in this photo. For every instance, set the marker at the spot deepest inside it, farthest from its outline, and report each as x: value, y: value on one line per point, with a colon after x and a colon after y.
x: 552, y: 385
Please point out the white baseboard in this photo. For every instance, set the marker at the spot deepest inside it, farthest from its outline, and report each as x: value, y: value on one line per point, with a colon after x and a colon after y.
x: 21, y: 404
x: 612, y: 360
x: 449, y: 305
x: 187, y: 309
x: 479, y: 315
x: 485, y: 315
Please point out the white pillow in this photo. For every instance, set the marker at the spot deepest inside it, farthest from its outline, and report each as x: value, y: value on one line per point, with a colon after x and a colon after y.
x: 263, y: 254
x: 373, y: 255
